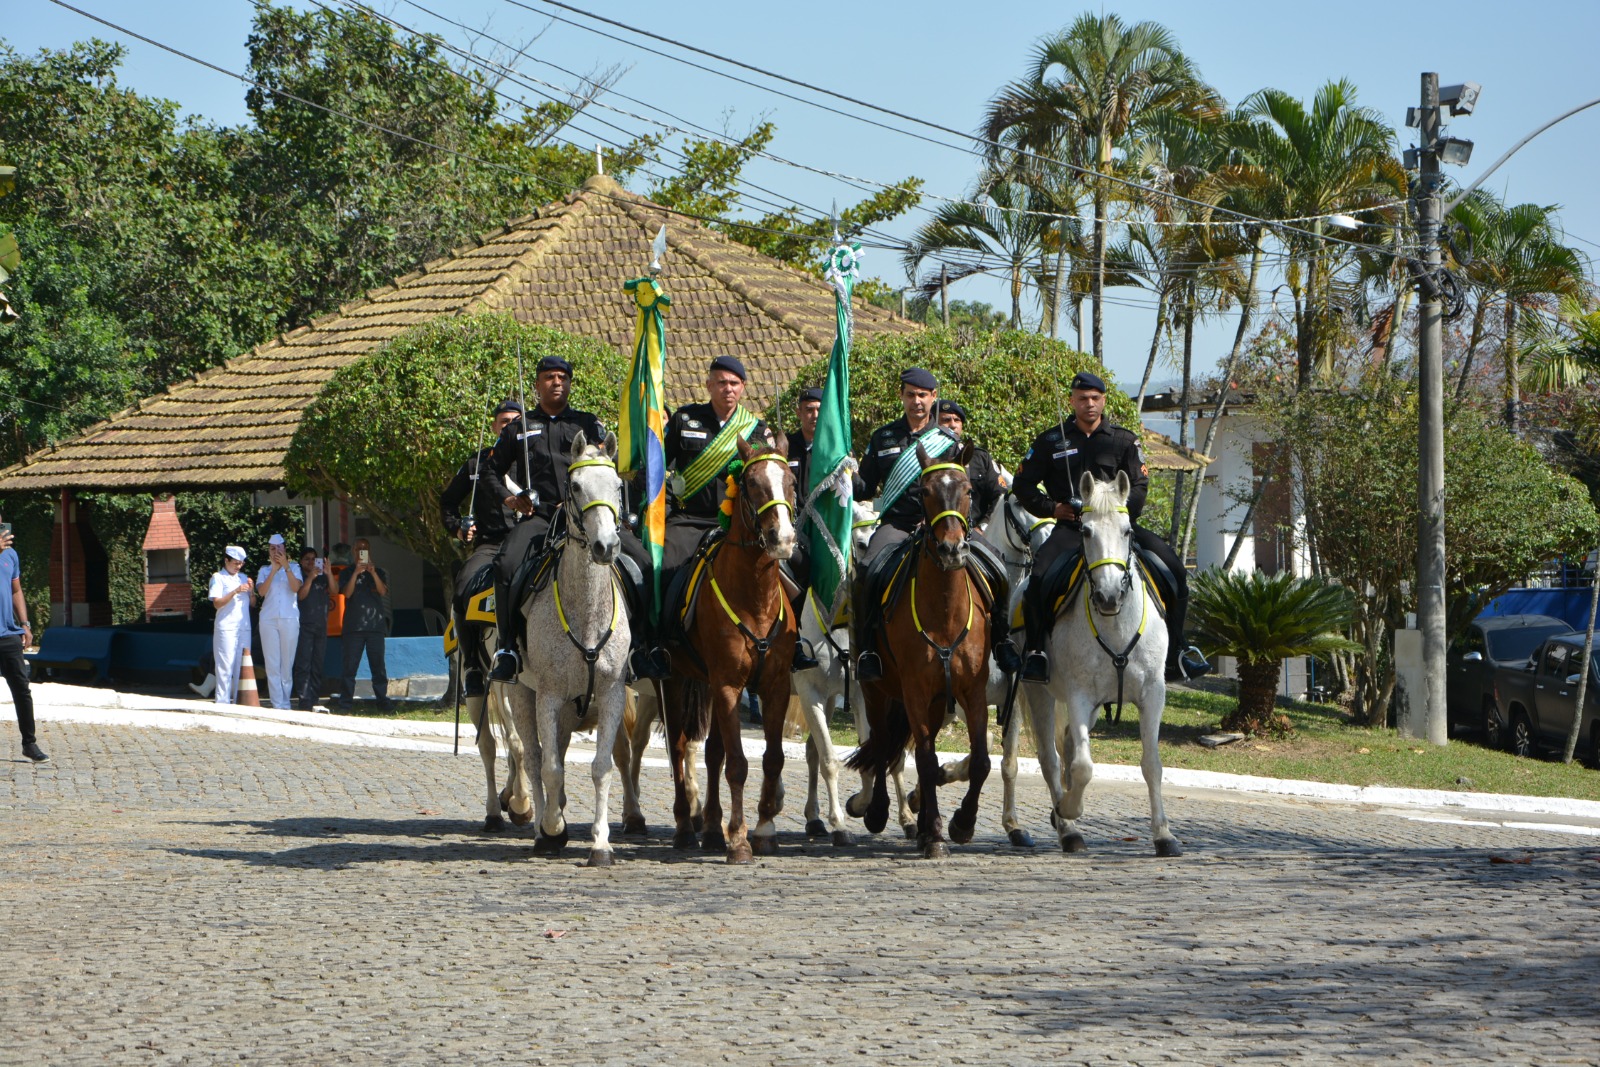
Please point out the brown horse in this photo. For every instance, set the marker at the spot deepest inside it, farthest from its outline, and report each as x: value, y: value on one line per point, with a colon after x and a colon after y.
x: 936, y: 643
x: 741, y: 638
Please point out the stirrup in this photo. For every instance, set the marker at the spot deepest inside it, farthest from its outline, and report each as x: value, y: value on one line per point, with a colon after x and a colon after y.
x: 507, y: 665
x: 472, y: 683
x: 1191, y: 664
x: 649, y: 662
x: 1036, y: 666
x: 869, y: 668
x: 1005, y: 656
x: 805, y: 658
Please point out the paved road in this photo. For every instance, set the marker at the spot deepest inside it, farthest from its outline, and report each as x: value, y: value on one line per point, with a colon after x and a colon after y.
x: 198, y: 897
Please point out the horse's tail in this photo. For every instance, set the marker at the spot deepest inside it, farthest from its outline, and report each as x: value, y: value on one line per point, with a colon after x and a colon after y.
x: 696, y: 710
x: 883, y: 746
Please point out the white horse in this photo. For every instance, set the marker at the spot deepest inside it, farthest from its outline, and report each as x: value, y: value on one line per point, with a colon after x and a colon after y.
x: 575, y: 653
x: 492, y: 719
x: 1112, y: 619
x: 817, y: 689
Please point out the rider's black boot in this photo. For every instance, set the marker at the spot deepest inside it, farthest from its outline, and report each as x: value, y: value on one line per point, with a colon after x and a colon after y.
x: 507, y: 664
x: 1035, y: 663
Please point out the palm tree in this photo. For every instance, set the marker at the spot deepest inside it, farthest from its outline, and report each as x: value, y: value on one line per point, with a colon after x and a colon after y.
x: 1086, y: 90
x: 1517, y: 262
x: 1262, y: 620
x: 1560, y: 353
x: 1295, y: 162
x: 1012, y: 226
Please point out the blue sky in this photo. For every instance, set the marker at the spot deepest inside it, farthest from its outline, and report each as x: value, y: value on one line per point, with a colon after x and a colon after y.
x: 944, y: 61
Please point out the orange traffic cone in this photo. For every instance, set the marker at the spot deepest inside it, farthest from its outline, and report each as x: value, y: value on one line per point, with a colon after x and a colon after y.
x: 247, y: 694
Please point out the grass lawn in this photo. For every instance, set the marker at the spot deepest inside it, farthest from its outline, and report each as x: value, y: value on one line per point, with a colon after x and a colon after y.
x: 1324, y: 747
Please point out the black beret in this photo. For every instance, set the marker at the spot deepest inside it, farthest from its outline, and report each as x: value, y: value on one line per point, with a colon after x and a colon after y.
x: 810, y: 394
x: 508, y: 404
x: 1085, y: 380
x: 918, y: 378
x: 730, y: 364
x: 950, y: 407
x: 553, y: 363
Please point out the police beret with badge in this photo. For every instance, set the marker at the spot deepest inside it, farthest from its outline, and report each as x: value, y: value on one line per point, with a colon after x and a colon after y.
x: 1087, y: 380
x: 918, y: 378
x: 951, y: 407
x: 508, y: 404
x: 553, y: 363
x: 731, y: 364
x: 808, y: 395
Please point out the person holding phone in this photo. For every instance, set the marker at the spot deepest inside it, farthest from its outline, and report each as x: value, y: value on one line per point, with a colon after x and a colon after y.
x: 16, y: 633
x: 366, y: 624
x: 311, y: 650
x: 230, y: 594
x: 278, y: 585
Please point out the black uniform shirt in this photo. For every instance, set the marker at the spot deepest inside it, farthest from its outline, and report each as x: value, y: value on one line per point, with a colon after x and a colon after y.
x: 884, y: 448
x: 800, y: 463
x: 493, y: 518
x: 690, y: 429
x: 549, y: 440
x: 1060, y: 455
x: 984, y: 474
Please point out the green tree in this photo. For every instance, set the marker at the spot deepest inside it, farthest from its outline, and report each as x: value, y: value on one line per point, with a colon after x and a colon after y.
x: 1517, y: 263
x: 1262, y: 620
x: 388, y: 432
x: 1086, y: 90
x: 1297, y: 162
x: 1012, y: 383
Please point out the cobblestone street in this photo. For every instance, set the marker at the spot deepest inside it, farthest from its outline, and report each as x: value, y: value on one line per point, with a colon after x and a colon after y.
x: 199, y: 897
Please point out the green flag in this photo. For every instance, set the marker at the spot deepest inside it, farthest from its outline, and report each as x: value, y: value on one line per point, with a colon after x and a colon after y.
x: 827, y: 513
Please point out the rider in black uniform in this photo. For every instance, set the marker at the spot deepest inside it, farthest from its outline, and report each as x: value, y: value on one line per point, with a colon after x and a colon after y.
x: 1047, y: 485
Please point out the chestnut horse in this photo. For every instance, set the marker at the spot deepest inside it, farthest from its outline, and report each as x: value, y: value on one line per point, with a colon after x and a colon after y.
x: 936, y: 642
x: 741, y: 638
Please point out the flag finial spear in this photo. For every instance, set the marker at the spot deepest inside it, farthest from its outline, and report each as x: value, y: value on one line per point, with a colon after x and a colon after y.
x: 658, y: 249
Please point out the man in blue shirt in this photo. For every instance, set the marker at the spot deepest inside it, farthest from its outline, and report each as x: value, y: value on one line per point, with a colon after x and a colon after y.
x: 16, y: 633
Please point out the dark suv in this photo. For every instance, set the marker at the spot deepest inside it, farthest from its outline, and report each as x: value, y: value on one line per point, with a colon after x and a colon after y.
x: 1491, y: 642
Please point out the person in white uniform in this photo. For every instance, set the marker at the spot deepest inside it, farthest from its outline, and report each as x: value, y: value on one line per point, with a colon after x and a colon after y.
x: 230, y: 595
x: 279, y: 587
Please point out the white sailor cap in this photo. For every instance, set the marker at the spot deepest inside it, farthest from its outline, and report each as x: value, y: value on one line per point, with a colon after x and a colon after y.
x: 234, y: 552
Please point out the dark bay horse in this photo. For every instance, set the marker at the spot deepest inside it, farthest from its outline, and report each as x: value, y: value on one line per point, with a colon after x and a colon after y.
x: 936, y: 644
x: 741, y: 637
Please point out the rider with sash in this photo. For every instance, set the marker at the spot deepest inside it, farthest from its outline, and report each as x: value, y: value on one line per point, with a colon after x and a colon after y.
x: 701, y: 441
x: 890, y: 467
x: 1047, y: 485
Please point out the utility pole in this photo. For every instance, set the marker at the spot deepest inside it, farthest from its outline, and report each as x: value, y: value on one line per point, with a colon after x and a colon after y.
x: 1430, y: 465
x: 944, y: 293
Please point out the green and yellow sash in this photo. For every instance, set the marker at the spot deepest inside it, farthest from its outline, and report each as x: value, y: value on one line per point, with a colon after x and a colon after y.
x: 719, y: 453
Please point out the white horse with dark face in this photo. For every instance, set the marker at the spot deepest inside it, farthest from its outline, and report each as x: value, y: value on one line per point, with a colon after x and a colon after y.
x: 575, y: 653
x: 1109, y: 645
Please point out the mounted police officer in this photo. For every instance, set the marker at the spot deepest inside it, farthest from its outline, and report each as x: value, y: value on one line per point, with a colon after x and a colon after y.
x: 988, y: 480
x: 701, y: 442
x: 807, y: 407
x: 484, y: 526
x: 888, y: 469
x: 535, y: 447
x: 1046, y: 484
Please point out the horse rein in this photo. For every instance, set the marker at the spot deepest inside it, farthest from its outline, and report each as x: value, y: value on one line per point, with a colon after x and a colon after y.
x: 1119, y: 660
x: 574, y: 525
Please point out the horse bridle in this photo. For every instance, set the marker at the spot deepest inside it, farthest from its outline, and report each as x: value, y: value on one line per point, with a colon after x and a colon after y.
x: 574, y: 527
x: 960, y: 517
x: 1119, y: 660
x: 575, y: 514
x: 1023, y: 534
x: 752, y: 515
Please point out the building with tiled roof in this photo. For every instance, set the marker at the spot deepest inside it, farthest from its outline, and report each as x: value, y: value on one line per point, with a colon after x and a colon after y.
x: 563, y: 266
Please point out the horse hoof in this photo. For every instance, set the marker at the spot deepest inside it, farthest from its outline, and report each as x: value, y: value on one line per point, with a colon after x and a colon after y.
x: 599, y: 858
x: 493, y: 824
x: 740, y: 855
x: 1168, y: 846
x: 699, y: 823
x: 877, y: 816
x: 856, y: 806
x: 1074, y: 843
x: 635, y: 826
x: 816, y: 828
x: 550, y: 845
x: 910, y: 829
x: 684, y: 839
x: 764, y: 846
x: 1021, y: 839
x: 521, y: 818
x: 713, y: 842
x: 961, y: 831
x: 935, y: 850
x: 843, y: 839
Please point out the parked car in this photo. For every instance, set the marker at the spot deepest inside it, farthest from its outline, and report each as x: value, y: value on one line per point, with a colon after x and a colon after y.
x: 1491, y: 642
x: 1535, y: 703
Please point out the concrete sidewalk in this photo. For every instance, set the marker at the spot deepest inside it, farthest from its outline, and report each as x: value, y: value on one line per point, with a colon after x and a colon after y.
x: 55, y: 702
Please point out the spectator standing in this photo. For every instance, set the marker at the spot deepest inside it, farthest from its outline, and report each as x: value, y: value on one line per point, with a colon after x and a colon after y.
x: 16, y: 633
x: 311, y: 650
x: 279, y: 587
x: 366, y: 624
x: 230, y: 636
